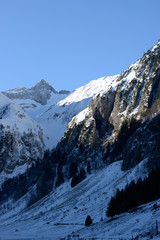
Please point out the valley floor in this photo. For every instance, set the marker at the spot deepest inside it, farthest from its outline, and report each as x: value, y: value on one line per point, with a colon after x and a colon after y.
x: 64, y: 211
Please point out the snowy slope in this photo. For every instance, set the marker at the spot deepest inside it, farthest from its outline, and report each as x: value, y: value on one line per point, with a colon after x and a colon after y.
x: 56, y: 116
x: 21, y: 138
x: 37, y: 100
x: 53, y: 110
x: 130, y: 100
x: 60, y: 108
x: 50, y: 128
x: 64, y: 211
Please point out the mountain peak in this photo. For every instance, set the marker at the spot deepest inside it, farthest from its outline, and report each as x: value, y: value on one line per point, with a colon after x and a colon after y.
x: 43, y: 85
x: 42, y: 82
x: 41, y: 92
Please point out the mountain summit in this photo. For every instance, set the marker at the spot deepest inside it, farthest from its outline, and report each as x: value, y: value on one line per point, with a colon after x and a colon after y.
x: 40, y: 93
x: 36, y: 101
x: 43, y: 85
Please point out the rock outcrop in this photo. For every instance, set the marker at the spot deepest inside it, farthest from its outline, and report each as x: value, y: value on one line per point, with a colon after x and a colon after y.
x: 109, y: 127
x: 40, y: 93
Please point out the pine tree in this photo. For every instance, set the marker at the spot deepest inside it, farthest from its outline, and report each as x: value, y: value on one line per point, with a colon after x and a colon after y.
x: 60, y: 177
x: 88, y: 221
x: 89, y: 167
x: 73, y: 169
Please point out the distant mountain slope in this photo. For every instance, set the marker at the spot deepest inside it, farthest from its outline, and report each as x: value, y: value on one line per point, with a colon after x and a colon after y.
x: 59, y: 108
x: 56, y: 117
x: 40, y: 93
x: 37, y: 100
x: 21, y: 138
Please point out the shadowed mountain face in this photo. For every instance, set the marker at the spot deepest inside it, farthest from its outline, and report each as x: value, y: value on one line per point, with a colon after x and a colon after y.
x: 40, y: 93
x: 117, y: 123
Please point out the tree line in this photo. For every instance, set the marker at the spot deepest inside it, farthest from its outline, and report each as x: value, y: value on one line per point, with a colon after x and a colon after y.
x: 135, y: 194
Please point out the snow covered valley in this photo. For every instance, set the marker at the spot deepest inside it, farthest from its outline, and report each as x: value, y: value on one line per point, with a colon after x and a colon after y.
x: 62, y: 213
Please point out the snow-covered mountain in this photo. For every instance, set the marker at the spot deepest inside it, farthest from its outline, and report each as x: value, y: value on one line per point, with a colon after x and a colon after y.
x: 40, y: 93
x: 36, y: 101
x: 56, y: 115
x: 21, y: 138
x: 106, y: 134
x: 112, y: 125
x: 130, y: 94
x: 53, y: 110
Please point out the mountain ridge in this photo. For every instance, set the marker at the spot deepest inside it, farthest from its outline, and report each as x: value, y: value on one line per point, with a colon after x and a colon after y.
x: 40, y: 92
x: 97, y: 132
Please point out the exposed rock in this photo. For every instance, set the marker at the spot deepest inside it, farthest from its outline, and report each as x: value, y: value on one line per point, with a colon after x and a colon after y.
x: 40, y: 93
x: 96, y: 134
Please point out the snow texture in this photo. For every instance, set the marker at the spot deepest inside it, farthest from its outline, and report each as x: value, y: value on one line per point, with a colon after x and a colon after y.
x: 64, y: 211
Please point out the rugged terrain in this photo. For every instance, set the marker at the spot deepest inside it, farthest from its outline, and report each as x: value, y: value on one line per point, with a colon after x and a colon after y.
x: 120, y: 121
x: 21, y: 138
x: 40, y: 93
x: 105, y: 135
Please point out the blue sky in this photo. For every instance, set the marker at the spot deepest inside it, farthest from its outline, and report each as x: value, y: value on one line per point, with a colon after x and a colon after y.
x: 73, y: 41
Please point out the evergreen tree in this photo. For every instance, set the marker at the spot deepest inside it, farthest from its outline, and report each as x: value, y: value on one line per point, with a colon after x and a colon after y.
x: 78, y: 178
x: 89, y: 167
x: 75, y: 181
x: 135, y: 194
x: 82, y: 174
x: 45, y: 182
x: 73, y: 169
x: 88, y: 221
x: 60, y: 177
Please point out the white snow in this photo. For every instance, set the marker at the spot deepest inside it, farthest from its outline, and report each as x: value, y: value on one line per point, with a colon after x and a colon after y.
x: 4, y: 100
x: 90, y: 90
x: 55, y: 116
x: 64, y: 210
x: 17, y: 171
x: 59, y: 110
x: 14, y: 120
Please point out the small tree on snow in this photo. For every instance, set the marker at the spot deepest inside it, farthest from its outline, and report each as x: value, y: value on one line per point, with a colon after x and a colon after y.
x: 88, y: 221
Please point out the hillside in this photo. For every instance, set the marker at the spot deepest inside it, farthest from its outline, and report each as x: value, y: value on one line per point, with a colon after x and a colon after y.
x: 21, y: 139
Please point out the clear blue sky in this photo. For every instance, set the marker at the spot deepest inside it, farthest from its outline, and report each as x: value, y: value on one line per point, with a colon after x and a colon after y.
x: 73, y: 41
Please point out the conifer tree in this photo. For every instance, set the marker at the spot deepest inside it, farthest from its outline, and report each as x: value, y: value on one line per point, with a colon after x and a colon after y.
x: 88, y: 221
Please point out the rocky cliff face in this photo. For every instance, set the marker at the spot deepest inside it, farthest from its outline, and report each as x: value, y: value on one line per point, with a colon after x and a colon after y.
x: 40, y: 93
x: 117, y: 123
